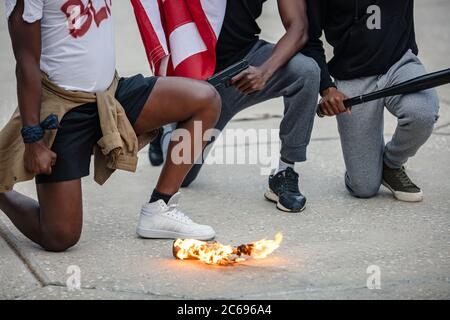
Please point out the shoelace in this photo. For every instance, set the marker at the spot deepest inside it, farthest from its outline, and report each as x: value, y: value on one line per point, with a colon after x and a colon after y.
x: 177, y: 214
x: 403, y: 178
x: 291, y: 181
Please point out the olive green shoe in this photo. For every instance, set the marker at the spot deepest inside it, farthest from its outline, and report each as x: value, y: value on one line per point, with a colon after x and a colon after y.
x: 401, y: 185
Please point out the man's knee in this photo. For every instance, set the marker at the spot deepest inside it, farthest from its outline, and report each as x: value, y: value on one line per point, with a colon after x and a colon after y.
x: 364, y: 191
x: 209, y: 102
x: 311, y: 73
x: 59, y: 239
x: 363, y: 188
x: 421, y: 113
x: 302, y: 67
x: 422, y: 121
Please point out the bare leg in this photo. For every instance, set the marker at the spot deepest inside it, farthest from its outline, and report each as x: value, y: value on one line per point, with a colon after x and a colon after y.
x: 184, y: 101
x: 55, y: 224
x: 23, y: 212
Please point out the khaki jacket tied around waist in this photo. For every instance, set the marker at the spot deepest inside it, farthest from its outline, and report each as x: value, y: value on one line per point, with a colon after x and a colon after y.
x: 117, y: 149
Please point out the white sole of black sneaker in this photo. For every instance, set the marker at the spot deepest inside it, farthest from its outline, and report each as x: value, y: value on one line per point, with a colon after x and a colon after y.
x: 163, y: 234
x: 405, y: 196
x: 271, y: 196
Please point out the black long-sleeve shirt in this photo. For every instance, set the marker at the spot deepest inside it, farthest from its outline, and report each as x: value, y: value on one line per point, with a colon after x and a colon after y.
x: 358, y: 50
x: 240, y: 31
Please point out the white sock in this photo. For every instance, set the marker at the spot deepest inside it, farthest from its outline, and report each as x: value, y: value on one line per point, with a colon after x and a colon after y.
x: 284, y: 165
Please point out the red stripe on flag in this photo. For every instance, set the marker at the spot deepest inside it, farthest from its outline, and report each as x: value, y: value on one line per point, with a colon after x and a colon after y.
x: 206, y: 32
x: 198, y: 66
x: 176, y: 14
x: 203, y: 25
x: 153, y: 49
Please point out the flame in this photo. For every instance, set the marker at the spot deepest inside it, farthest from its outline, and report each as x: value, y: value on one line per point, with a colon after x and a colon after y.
x: 219, y: 254
x: 262, y: 248
x: 214, y: 253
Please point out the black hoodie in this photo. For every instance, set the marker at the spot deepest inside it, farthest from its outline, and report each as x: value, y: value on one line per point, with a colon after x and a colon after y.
x: 358, y: 50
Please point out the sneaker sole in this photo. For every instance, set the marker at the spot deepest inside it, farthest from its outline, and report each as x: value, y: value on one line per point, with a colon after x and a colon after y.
x: 405, y: 196
x: 163, y: 234
x: 271, y: 196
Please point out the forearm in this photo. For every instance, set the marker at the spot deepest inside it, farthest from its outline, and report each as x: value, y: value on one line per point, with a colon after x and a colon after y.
x: 293, y: 40
x: 29, y: 90
x: 295, y: 21
x: 26, y: 43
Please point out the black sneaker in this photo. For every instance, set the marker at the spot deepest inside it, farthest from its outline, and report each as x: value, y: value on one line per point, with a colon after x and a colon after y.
x: 401, y: 185
x: 155, y: 153
x: 283, y: 189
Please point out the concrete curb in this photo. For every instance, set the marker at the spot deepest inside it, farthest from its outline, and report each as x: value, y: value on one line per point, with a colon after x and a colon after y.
x: 24, y: 255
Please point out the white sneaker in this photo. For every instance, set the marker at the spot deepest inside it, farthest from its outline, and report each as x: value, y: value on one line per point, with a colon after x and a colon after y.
x: 159, y: 220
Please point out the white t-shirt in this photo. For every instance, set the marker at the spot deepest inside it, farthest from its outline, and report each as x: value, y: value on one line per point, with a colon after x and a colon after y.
x: 78, y: 50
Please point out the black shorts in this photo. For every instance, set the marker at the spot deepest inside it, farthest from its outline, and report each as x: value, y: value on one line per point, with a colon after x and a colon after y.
x: 80, y: 130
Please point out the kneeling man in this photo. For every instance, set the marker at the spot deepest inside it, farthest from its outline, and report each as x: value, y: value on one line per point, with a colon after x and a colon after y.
x: 277, y: 70
x: 66, y: 70
x: 374, y: 48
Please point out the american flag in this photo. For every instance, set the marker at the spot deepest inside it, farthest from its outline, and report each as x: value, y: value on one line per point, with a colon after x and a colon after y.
x: 180, y: 36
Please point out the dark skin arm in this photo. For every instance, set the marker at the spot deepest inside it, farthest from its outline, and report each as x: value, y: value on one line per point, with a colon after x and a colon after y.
x: 293, y: 14
x: 26, y: 43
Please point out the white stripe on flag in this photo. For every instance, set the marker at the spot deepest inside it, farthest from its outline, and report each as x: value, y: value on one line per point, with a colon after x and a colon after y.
x: 185, y: 41
x: 152, y: 10
x: 215, y: 12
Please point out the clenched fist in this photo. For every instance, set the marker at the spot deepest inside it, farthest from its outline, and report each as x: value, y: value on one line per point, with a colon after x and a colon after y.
x: 38, y: 158
x: 332, y: 102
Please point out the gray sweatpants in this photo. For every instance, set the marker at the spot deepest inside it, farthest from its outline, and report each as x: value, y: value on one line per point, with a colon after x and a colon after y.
x: 297, y: 82
x: 362, y: 132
